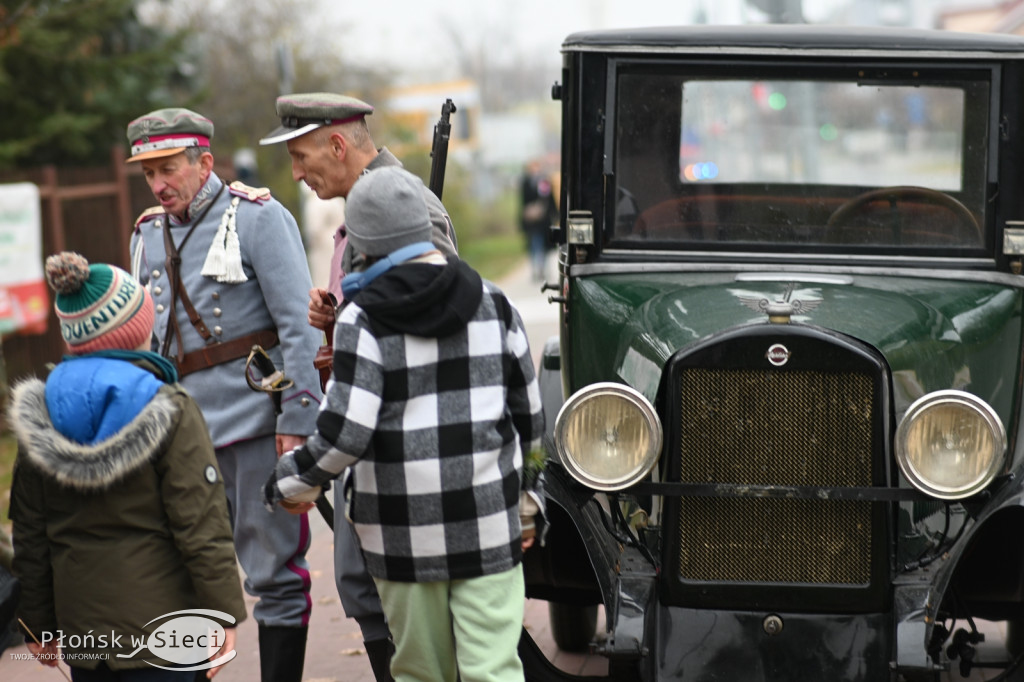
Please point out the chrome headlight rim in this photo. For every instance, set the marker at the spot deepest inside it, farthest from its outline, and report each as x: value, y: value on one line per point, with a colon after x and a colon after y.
x: 632, y: 397
x: 988, y: 416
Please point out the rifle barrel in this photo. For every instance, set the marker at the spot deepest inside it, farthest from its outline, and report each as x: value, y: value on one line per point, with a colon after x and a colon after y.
x: 439, y: 148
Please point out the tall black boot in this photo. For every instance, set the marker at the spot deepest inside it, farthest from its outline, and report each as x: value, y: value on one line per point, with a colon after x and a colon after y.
x: 379, y: 652
x: 282, y: 653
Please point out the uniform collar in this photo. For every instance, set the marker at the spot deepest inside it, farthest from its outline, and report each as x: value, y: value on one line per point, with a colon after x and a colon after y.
x: 384, y: 158
x: 206, y: 195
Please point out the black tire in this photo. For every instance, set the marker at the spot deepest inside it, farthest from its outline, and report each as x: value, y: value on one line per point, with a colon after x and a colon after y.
x: 1014, y: 637
x: 572, y: 627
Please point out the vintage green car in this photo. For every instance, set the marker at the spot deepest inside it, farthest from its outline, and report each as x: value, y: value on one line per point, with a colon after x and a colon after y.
x: 785, y: 399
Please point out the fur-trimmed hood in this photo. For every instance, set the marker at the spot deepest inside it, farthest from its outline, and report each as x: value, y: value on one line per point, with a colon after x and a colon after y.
x: 88, y: 467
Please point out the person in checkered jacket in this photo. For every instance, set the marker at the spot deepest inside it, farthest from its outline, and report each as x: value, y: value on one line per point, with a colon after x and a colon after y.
x: 434, y: 403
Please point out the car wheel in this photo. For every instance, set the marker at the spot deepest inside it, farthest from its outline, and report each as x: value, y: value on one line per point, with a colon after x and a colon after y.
x: 572, y: 626
x: 1014, y: 637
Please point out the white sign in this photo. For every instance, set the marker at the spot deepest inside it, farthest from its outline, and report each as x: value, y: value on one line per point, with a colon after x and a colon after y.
x: 24, y: 303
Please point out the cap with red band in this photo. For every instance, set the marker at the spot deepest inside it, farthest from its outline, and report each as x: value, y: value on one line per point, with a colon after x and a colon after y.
x: 166, y: 132
x: 303, y: 113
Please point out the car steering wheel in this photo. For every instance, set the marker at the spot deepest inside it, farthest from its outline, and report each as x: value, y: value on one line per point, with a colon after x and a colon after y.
x: 895, y: 195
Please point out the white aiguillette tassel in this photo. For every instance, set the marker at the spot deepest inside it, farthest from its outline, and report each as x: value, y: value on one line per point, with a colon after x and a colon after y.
x: 224, y: 259
x: 233, y: 272
x: 214, y: 265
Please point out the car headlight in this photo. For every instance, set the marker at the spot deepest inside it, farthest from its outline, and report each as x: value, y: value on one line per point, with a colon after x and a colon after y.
x: 608, y: 436
x: 950, y: 444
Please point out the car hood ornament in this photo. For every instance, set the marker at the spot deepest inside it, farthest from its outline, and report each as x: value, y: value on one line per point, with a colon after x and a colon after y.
x: 781, y: 311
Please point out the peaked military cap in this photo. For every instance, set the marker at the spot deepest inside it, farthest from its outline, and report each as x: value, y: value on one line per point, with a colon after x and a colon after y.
x: 306, y: 112
x: 166, y: 132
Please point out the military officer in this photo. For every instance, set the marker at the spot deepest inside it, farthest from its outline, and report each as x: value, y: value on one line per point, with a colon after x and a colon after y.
x: 331, y: 148
x: 227, y: 270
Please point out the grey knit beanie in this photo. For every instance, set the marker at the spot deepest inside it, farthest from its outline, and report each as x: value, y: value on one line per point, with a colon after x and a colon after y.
x: 385, y: 211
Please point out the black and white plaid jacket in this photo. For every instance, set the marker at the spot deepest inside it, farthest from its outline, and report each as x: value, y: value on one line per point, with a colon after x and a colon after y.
x: 433, y: 403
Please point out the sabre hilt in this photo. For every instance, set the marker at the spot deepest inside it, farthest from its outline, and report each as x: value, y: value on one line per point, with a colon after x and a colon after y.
x: 273, y: 381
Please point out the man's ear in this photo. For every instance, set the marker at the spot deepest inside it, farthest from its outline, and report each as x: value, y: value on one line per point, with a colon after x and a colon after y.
x: 205, y: 164
x: 338, y: 145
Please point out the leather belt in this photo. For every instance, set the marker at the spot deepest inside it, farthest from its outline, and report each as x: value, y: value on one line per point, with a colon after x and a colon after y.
x: 219, y: 353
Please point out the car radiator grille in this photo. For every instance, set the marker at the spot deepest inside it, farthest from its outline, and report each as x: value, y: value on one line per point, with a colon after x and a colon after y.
x: 766, y: 427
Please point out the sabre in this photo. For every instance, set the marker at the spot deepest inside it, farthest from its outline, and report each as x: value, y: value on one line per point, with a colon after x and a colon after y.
x: 273, y: 382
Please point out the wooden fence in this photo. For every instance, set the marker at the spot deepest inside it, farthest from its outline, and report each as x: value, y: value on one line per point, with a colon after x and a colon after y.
x: 89, y: 210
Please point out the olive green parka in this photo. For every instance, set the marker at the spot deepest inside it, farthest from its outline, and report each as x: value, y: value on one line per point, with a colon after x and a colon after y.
x: 112, y: 535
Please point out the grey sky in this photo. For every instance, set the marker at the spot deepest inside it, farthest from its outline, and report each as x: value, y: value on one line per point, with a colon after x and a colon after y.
x: 403, y: 33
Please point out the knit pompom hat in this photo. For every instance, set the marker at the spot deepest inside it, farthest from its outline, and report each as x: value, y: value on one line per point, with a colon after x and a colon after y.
x: 100, y: 307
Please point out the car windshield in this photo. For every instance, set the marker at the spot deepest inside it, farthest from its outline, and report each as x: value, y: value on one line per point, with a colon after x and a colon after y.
x: 881, y: 160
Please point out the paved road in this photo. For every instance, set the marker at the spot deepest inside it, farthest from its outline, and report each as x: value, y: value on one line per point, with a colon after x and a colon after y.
x: 335, y: 652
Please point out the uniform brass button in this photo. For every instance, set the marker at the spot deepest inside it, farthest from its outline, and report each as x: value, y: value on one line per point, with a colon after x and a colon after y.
x: 160, y: 308
x: 304, y: 402
x: 217, y: 330
x: 157, y: 291
x: 156, y: 274
x: 217, y: 312
x: 215, y: 295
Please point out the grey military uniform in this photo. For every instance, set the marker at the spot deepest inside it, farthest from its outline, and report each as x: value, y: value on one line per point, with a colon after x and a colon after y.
x: 242, y: 422
x: 273, y: 296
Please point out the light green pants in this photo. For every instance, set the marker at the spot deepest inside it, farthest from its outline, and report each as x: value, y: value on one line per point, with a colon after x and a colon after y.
x: 459, y: 629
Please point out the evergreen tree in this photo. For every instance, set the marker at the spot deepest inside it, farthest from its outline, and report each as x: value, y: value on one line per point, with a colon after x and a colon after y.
x: 73, y: 73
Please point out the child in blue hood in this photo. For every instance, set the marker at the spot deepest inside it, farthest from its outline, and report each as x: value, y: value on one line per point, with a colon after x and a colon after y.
x: 118, y: 507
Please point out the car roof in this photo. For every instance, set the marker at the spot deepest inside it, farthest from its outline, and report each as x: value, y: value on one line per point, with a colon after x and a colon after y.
x: 778, y: 39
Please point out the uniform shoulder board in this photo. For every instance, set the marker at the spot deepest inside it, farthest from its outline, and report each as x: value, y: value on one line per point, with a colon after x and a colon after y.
x: 148, y: 214
x: 257, y: 194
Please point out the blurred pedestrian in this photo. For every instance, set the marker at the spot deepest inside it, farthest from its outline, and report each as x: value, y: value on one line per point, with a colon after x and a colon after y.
x: 434, y: 405
x: 331, y: 148
x: 538, y: 212
x: 246, y: 166
x: 118, y: 505
x: 227, y: 269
